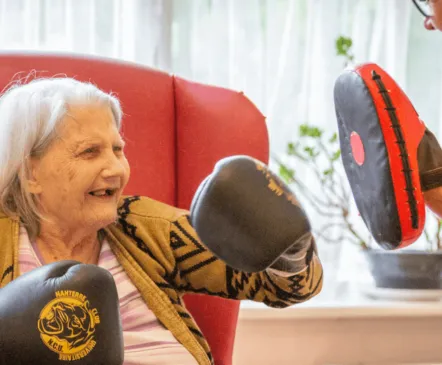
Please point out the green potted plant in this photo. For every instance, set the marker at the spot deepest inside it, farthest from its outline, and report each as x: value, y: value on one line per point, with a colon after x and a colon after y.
x: 316, y: 154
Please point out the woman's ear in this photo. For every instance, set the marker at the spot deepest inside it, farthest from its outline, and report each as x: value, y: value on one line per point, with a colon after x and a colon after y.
x: 32, y: 182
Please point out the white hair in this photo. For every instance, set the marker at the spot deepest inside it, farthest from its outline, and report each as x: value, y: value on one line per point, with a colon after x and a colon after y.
x: 29, y: 116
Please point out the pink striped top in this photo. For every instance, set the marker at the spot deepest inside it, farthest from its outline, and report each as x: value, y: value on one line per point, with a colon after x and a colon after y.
x: 146, y: 341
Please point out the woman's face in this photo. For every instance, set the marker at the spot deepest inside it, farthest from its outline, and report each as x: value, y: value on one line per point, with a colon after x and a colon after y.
x: 435, y: 21
x: 80, y: 178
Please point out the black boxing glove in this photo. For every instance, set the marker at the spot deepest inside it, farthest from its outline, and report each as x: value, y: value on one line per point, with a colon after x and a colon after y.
x: 250, y: 219
x: 64, y: 312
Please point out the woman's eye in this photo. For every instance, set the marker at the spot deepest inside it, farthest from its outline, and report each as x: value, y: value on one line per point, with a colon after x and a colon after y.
x: 90, y: 150
x: 118, y: 148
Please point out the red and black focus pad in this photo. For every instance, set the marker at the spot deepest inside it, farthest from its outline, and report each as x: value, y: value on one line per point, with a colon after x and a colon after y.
x: 379, y: 134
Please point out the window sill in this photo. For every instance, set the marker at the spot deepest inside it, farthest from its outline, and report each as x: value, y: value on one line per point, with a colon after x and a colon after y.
x: 342, y: 310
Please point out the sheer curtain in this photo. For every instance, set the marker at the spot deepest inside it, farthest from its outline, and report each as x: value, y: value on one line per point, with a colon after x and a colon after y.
x: 281, y: 53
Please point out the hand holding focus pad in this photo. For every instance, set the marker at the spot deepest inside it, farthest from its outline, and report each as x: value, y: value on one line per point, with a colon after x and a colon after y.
x: 60, y: 313
x: 389, y: 155
x: 247, y: 216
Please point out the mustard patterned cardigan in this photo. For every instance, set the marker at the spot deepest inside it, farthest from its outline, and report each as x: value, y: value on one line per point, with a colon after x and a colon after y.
x: 162, y: 255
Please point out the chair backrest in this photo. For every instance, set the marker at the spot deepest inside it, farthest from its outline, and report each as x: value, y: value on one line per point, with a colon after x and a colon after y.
x: 175, y: 130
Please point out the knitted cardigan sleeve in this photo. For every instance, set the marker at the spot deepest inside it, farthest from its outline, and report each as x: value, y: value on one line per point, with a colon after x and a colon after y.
x: 196, y: 269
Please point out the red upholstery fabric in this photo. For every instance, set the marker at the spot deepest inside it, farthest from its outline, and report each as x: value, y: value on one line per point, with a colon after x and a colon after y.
x: 175, y: 132
x: 213, y: 123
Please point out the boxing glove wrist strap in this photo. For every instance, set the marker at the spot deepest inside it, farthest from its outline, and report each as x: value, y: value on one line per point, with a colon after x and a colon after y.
x: 297, y: 257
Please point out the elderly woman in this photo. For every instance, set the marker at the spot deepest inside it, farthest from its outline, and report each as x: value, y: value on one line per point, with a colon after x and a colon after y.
x: 62, y: 174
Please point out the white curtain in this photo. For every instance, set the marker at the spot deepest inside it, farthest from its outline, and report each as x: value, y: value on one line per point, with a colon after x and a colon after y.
x: 131, y: 30
x: 281, y: 53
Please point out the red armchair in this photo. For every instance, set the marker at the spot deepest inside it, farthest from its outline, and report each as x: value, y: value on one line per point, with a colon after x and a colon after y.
x: 175, y: 131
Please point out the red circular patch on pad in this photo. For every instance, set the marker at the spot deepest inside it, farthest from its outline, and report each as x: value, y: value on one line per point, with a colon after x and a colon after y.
x: 357, y: 148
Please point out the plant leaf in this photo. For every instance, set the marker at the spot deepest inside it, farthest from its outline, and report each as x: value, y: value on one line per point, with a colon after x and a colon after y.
x: 336, y: 155
x: 287, y: 174
x: 292, y: 148
x: 333, y: 138
x: 311, y: 151
x: 328, y: 172
x: 309, y: 131
x: 343, y: 45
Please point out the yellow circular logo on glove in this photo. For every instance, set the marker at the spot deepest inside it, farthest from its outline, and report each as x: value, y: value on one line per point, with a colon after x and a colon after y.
x: 67, y: 325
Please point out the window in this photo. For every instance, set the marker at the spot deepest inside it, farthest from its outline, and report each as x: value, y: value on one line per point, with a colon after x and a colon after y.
x: 281, y: 53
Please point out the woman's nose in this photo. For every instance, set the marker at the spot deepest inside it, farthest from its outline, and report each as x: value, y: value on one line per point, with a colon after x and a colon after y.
x: 114, y: 166
x: 428, y: 23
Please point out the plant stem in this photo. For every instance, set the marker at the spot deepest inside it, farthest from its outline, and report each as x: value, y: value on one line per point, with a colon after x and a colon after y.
x: 362, y: 242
